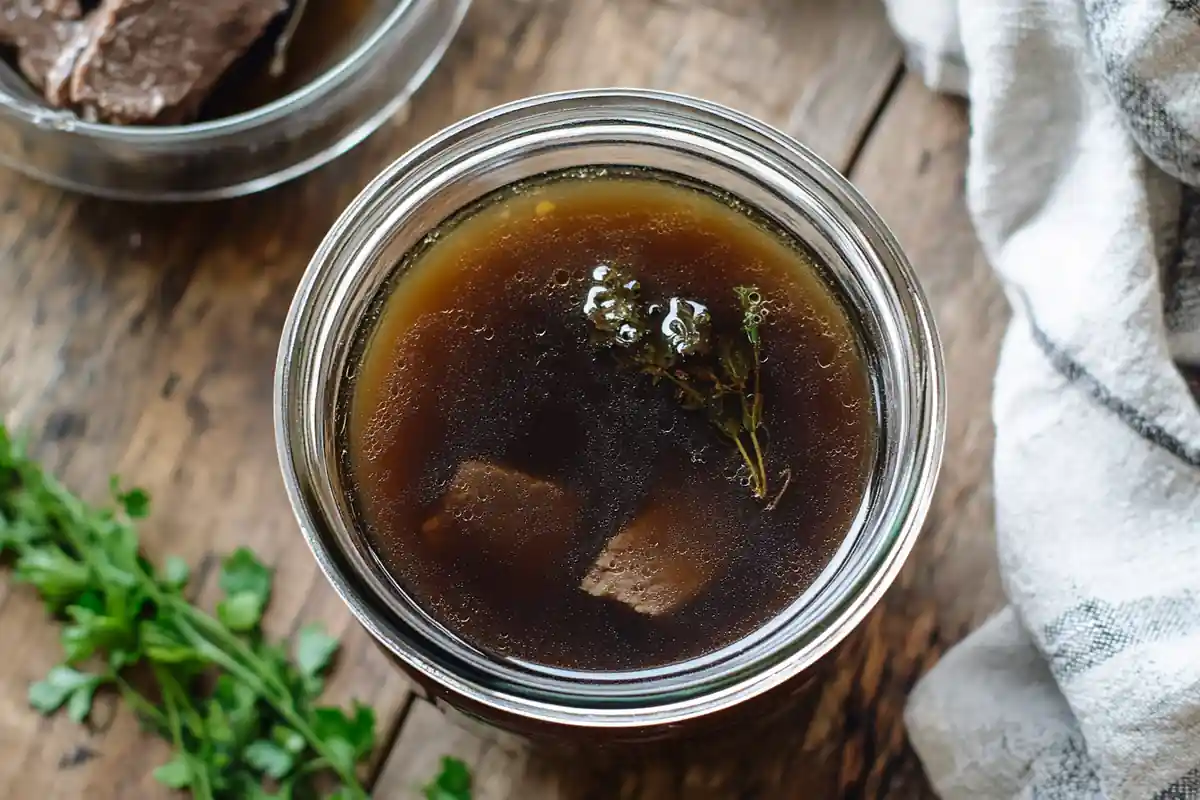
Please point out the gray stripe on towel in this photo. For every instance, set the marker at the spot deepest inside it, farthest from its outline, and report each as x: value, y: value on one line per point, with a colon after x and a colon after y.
x: 1186, y: 788
x: 1094, y: 631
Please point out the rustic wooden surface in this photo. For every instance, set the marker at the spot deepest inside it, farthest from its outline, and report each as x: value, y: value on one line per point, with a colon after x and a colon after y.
x: 142, y: 341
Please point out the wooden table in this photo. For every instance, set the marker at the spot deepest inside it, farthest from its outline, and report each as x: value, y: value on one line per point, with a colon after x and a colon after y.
x: 142, y: 341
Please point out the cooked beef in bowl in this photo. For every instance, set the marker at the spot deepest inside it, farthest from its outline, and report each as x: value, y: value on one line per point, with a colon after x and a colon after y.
x: 178, y: 100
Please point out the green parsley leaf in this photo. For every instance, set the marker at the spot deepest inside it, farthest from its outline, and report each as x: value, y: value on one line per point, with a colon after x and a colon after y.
x: 242, y: 572
x: 58, y: 577
x: 60, y: 684
x: 314, y: 650
x: 271, y: 759
x: 80, y: 704
x: 241, y: 612
x: 135, y: 502
x: 347, y: 793
x: 452, y: 783
x: 16, y: 533
x: 91, y: 632
x: 175, y: 572
x: 238, y: 701
x: 164, y: 645
x: 288, y: 739
x: 176, y: 773
x: 349, y: 738
x: 91, y: 600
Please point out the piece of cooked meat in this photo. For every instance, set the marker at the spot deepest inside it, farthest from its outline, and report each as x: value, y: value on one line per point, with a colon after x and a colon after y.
x: 20, y: 19
x: 155, y: 61
x: 505, y: 516
x: 56, y: 82
x: 39, y: 30
x: 659, y: 562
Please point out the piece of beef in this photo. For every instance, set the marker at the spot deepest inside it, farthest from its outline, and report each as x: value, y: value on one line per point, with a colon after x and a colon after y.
x: 39, y: 30
x: 154, y: 61
x: 496, y: 516
x: 23, y: 20
x: 659, y: 562
x: 57, y: 81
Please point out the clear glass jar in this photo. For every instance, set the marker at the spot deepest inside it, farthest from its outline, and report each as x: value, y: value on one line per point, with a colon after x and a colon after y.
x: 247, y: 152
x: 745, y: 158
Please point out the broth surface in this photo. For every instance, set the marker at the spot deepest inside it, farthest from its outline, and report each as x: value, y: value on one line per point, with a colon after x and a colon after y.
x: 481, y: 352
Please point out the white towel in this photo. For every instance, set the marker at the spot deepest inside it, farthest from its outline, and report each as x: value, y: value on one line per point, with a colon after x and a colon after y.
x: 1084, y: 165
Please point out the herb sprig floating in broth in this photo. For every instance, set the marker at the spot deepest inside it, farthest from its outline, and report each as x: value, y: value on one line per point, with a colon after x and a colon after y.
x: 675, y: 343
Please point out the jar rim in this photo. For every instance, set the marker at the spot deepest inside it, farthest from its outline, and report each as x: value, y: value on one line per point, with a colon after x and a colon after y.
x: 334, y: 280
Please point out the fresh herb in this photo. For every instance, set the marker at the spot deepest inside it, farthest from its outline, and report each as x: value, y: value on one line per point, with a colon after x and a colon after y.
x: 674, y: 344
x: 241, y: 713
x: 452, y: 783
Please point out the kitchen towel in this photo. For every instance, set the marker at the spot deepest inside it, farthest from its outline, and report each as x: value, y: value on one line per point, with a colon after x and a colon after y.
x: 1083, y: 188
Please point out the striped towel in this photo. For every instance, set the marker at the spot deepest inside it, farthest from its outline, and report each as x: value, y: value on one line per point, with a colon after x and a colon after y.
x: 1082, y: 184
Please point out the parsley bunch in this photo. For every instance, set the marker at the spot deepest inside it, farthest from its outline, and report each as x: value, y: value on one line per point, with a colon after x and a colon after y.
x: 242, y: 713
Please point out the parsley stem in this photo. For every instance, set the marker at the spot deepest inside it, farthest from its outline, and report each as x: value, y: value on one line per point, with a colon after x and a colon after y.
x: 140, y: 704
x: 253, y: 675
x: 228, y: 640
x: 200, y: 786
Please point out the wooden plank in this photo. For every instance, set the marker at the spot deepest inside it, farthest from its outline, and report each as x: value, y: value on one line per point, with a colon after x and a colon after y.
x: 848, y: 739
x: 814, y: 68
x: 142, y: 340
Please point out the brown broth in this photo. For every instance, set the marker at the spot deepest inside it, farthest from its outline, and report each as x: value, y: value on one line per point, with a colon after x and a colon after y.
x: 481, y: 351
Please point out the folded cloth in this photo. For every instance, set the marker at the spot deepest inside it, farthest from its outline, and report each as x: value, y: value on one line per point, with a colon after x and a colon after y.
x: 1082, y: 185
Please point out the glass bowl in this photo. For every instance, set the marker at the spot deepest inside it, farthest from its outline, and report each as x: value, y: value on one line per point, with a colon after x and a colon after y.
x: 246, y: 152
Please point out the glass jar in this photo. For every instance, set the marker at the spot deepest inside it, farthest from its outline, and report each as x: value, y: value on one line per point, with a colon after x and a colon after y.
x: 247, y: 152
x: 705, y: 142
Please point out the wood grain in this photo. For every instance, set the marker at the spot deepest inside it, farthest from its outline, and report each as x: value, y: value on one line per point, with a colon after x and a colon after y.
x: 142, y: 340
x: 848, y: 738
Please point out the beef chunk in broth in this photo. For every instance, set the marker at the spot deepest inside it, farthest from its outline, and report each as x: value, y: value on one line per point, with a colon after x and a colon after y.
x: 156, y: 60
x: 659, y: 562
x: 493, y: 515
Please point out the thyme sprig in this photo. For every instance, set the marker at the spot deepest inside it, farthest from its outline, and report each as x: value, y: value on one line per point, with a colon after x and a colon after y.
x: 673, y: 344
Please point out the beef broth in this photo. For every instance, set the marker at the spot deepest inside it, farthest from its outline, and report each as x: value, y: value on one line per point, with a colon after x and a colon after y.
x: 649, y: 547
